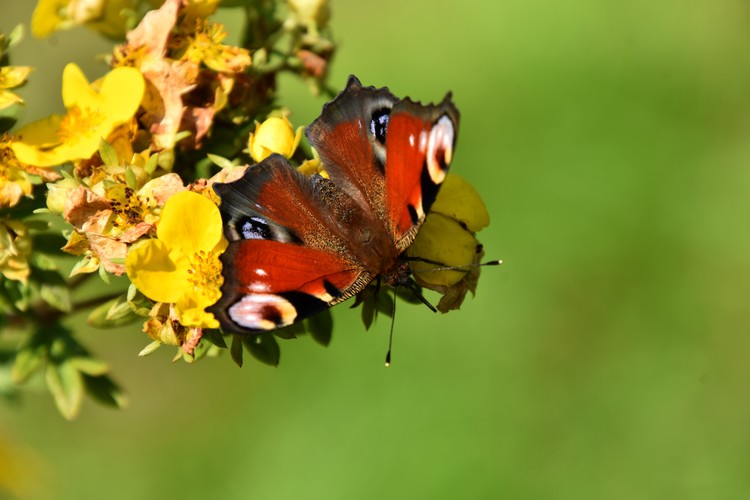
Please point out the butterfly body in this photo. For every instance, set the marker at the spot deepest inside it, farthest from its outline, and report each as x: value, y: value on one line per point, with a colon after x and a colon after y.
x: 299, y: 244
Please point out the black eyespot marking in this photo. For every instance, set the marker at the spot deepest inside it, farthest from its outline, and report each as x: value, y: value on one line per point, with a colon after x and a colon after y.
x: 254, y: 228
x: 271, y: 313
x: 379, y: 124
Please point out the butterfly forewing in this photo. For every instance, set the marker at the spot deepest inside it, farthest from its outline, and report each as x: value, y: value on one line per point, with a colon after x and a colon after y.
x: 419, y: 148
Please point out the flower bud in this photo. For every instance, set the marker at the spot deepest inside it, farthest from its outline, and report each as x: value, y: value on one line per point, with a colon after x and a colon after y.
x: 275, y: 135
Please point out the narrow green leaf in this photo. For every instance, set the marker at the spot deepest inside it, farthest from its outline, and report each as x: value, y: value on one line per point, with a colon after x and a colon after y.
x: 264, y: 348
x: 116, y: 312
x: 214, y: 337
x: 320, y: 327
x: 151, y: 163
x: 220, y: 161
x: 66, y: 385
x: 57, y: 295
x: 368, y: 311
x: 108, y: 154
x: 27, y: 361
x: 150, y: 348
x: 37, y: 225
x: 104, y: 275
x: 291, y: 331
x: 18, y: 293
x: 16, y: 35
x: 41, y: 261
x: 104, y: 390
x: 384, y: 302
x: 130, y: 179
x: 89, y: 366
x: 236, y: 350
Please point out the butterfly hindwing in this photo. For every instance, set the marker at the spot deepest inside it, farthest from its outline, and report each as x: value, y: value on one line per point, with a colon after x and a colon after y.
x: 286, y: 259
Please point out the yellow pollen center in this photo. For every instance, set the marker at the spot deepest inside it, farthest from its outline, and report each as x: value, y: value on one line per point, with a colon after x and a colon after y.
x: 78, y: 122
x: 205, y: 275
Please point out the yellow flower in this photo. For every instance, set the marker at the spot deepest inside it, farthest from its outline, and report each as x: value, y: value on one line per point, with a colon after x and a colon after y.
x: 447, y: 239
x: 182, y: 266
x: 205, y: 47
x: 275, y: 135
x: 12, y: 77
x: 109, y: 17
x: 91, y: 116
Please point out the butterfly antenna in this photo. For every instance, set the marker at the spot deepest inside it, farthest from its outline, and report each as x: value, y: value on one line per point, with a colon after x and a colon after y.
x: 445, y: 267
x: 390, y: 337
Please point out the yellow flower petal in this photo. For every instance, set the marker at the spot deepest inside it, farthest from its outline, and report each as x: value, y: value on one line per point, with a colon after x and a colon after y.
x: 122, y: 91
x: 8, y: 98
x: 45, y: 19
x: 159, y: 272
x: 459, y: 200
x: 190, y: 222
x: 13, y: 76
x: 76, y: 90
x: 41, y: 133
x: 192, y: 311
x: 442, y: 239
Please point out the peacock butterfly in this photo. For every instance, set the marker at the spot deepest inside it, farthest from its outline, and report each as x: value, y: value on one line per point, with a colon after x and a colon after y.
x: 299, y: 244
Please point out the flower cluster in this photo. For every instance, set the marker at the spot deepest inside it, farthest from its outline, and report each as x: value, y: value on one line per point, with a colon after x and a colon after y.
x: 121, y: 183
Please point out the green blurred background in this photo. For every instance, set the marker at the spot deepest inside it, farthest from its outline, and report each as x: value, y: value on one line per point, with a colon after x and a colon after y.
x: 608, y: 358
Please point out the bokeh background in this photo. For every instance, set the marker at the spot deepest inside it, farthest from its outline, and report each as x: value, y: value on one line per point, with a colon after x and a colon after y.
x: 608, y: 358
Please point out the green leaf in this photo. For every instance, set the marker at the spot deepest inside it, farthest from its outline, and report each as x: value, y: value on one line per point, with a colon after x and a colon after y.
x: 104, y: 390
x: 220, y: 161
x: 214, y: 336
x: 17, y: 293
x: 16, y: 35
x: 320, y: 327
x: 104, y: 275
x: 130, y: 179
x: 368, y: 309
x: 50, y: 243
x: 41, y: 261
x: 29, y: 358
x: 66, y: 385
x: 290, y: 332
x: 151, y: 164
x: 37, y: 225
x: 138, y: 302
x: 53, y: 288
x: 89, y: 366
x: 236, y: 350
x: 108, y: 154
x: 384, y: 302
x: 113, y: 313
x: 264, y: 348
x: 150, y: 348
